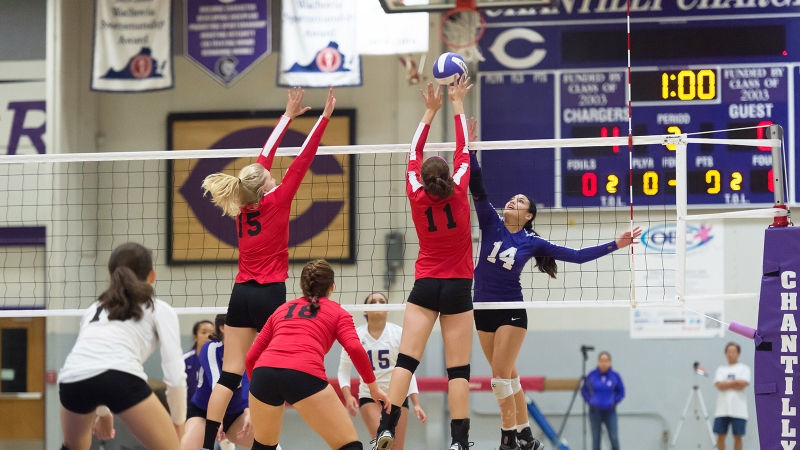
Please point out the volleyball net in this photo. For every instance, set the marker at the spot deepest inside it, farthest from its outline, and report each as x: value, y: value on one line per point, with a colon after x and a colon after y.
x: 61, y: 215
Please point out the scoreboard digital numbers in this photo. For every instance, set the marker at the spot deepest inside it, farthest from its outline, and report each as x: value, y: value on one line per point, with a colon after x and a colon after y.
x: 714, y: 73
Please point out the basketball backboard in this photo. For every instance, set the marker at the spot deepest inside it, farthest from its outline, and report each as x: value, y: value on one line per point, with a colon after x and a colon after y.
x: 408, y: 6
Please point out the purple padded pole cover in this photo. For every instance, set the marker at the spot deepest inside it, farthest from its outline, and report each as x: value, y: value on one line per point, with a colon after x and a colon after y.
x: 776, y: 359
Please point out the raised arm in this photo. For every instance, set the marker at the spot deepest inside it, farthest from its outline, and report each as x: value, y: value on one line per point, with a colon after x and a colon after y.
x: 262, y: 341
x: 293, y: 109
x: 487, y: 216
x: 298, y: 168
x: 433, y: 102
x: 457, y: 91
x: 571, y: 255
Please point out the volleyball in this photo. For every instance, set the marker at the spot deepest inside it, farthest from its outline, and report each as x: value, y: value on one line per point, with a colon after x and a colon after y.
x: 447, y: 65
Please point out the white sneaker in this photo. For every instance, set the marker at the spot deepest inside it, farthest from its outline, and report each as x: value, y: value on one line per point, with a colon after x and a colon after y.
x: 384, y: 441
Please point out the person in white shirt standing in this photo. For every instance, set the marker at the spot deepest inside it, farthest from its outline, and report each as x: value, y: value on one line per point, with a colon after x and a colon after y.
x: 381, y: 340
x: 104, y: 372
x: 731, y: 401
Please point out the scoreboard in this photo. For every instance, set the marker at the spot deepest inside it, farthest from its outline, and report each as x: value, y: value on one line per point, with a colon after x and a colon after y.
x: 693, y: 71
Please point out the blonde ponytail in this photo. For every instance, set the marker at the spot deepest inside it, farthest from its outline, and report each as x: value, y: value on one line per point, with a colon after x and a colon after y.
x: 232, y: 193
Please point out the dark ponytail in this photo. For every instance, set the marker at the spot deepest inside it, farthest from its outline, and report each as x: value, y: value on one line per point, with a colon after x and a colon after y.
x: 545, y: 264
x: 219, y: 321
x: 315, y: 282
x: 128, y: 290
x: 436, y: 177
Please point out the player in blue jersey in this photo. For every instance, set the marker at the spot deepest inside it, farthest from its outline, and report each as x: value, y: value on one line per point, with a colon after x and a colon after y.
x: 508, y: 242
x: 191, y: 359
x: 236, y: 422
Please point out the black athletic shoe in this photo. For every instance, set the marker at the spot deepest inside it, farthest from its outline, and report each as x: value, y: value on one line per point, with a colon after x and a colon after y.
x: 384, y: 441
x: 533, y: 444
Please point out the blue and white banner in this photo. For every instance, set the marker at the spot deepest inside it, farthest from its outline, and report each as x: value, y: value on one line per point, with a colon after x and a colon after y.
x: 132, y: 46
x: 318, y: 44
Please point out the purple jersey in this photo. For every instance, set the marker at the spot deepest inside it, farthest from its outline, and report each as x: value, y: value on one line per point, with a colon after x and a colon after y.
x: 210, y: 368
x: 503, y: 254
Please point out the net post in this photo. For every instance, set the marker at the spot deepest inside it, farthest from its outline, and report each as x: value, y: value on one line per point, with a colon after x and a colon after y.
x: 681, y: 200
x: 776, y: 132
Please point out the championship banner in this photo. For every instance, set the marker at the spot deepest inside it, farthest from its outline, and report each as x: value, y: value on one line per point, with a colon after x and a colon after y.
x: 322, y: 222
x: 132, y: 46
x: 226, y: 39
x: 655, y: 278
x: 379, y: 33
x: 318, y: 44
x: 776, y: 360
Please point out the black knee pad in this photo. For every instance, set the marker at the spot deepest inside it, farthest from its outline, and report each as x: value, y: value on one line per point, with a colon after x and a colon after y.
x: 406, y: 362
x: 259, y: 446
x: 230, y: 380
x: 458, y: 372
x: 64, y: 447
x: 353, y: 446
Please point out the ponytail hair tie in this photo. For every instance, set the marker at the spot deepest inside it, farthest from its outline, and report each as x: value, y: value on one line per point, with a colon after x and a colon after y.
x: 240, y: 180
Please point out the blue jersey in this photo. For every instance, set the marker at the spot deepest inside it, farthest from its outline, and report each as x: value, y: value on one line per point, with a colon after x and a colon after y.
x: 503, y: 254
x: 603, y: 391
x: 192, y: 363
x: 210, y: 368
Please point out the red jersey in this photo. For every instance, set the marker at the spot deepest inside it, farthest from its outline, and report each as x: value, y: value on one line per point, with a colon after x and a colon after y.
x: 296, y: 338
x: 443, y: 229
x: 264, y: 230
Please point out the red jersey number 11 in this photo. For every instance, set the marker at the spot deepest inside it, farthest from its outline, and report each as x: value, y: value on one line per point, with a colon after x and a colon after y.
x: 451, y: 222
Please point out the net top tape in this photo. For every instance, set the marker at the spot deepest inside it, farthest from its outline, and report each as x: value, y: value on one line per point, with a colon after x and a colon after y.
x: 381, y: 148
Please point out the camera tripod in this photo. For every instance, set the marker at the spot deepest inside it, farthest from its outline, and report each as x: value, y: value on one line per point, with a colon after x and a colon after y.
x: 696, y: 398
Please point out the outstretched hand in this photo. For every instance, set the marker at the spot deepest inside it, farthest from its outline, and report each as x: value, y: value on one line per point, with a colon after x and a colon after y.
x: 472, y: 129
x: 293, y: 103
x: 433, y: 98
x: 330, y: 104
x: 627, y: 238
x: 458, y: 90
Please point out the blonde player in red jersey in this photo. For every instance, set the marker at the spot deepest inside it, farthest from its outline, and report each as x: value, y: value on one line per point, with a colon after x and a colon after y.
x: 261, y: 208
x: 443, y: 276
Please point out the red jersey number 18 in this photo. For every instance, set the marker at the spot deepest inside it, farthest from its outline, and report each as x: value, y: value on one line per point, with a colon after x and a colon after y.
x: 451, y: 222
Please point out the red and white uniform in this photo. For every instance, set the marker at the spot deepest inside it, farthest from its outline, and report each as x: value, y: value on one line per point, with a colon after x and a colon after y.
x: 264, y: 230
x: 296, y: 338
x: 443, y: 229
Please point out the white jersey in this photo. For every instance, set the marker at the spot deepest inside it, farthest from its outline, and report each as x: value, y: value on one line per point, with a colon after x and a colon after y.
x: 732, y: 402
x: 124, y: 345
x: 382, y: 353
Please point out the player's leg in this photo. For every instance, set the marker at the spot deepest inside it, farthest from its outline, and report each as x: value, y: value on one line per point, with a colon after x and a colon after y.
x: 235, y: 429
x: 524, y: 433
x: 193, y: 433
x: 402, y: 426
x: 151, y: 424
x: 266, y: 421
x: 326, y: 415
x: 76, y: 429
x: 457, y: 338
x: 371, y: 415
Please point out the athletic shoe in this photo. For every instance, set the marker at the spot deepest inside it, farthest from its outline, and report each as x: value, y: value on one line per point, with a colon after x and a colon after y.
x: 506, y: 447
x: 384, y: 441
x: 534, y: 444
x: 457, y: 446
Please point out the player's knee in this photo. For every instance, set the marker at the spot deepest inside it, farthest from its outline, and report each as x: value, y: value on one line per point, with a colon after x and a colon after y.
x: 259, y: 446
x: 230, y: 380
x: 355, y: 445
x: 516, y: 385
x: 406, y: 362
x: 458, y: 372
x: 502, y: 388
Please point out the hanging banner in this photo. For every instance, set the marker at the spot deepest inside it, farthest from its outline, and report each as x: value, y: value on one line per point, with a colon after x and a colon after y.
x: 132, y: 46
x: 318, y: 44
x: 655, y: 281
x: 379, y: 33
x: 227, y: 38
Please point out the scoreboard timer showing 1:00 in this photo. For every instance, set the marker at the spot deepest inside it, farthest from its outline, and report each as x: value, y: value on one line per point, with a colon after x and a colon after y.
x: 688, y: 100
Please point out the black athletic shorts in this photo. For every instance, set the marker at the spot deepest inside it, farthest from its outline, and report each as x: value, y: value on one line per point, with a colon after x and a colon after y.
x: 252, y: 303
x: 115, y: 389
x: 489, y: 320
x: 365, y: 400
x: 278, y: 386
x: 196, y: 411
x: 443, y: 295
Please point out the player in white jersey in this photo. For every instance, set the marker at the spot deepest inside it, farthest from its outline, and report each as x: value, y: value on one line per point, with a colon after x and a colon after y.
x: 381, y: 340
x: 104, y: 369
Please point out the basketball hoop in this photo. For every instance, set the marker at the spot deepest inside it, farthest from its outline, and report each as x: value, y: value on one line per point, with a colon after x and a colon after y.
x: 461, y: 29
x: 413, y: 71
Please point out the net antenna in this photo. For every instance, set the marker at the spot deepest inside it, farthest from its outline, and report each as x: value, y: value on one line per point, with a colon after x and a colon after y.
x: 461, y: 29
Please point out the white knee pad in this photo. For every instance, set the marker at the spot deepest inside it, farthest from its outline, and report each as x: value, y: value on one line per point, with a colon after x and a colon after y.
x: 502, y: 388
x: 516, y: 386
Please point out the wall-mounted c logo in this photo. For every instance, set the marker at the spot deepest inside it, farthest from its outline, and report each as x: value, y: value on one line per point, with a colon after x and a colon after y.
x: 498, y: 48
x: 305, y: 226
